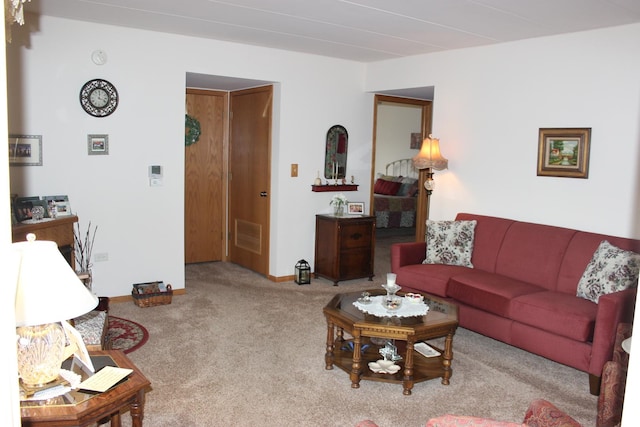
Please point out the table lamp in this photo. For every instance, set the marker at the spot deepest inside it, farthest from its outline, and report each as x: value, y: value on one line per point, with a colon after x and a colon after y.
x: 48, y: 292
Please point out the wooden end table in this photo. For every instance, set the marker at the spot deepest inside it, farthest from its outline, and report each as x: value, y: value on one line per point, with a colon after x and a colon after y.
x: 84, y: 409
x: 352, y: 355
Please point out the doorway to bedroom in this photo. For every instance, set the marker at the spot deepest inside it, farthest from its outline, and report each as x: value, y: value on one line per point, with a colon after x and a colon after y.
x: 400, y: 125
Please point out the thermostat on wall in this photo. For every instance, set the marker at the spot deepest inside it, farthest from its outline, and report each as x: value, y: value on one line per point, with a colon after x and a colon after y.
x: 155, y: 175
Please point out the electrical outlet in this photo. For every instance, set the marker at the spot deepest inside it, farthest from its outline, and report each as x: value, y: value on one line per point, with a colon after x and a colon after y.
x: 101, y: 257
x: 294, y: 170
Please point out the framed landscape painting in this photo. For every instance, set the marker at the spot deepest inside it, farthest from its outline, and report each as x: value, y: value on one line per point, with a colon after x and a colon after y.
x: 564, y: 152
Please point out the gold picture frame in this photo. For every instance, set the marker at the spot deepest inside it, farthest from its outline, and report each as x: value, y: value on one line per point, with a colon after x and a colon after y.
x: 564, y: 152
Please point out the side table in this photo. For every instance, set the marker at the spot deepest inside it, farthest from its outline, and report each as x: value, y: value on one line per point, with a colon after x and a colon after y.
x: 84, y: 409
x: 345, y: 247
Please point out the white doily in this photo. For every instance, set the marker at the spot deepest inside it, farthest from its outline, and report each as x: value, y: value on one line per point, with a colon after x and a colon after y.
x: 407, y: 309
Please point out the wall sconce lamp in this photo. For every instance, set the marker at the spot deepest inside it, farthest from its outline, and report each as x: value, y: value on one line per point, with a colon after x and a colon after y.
x: 431, y: 159
x: 48, y: 291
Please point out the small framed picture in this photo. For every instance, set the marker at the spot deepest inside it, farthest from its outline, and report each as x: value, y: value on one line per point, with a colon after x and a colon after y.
x: 25, y: 150
x: 58, y: 205
x: 355, y: 208
x: 416, y: 141
x: 98, y: 144
x: 564, y: 152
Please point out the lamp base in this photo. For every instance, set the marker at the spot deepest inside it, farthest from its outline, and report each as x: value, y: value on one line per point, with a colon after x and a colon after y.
x: 40, y: 350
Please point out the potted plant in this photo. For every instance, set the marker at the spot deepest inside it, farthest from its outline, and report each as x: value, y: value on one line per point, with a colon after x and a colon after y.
x: 338, y: 201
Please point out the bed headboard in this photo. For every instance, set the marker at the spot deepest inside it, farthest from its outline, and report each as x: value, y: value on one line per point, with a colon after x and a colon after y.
x: 402, y: 167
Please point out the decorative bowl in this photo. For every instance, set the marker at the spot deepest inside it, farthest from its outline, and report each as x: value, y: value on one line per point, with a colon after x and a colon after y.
x: 392, y: 302
x: 384, y: 367
x: 414, y: 298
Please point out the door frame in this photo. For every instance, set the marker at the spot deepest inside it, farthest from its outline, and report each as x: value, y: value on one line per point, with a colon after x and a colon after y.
x: 426, y: 122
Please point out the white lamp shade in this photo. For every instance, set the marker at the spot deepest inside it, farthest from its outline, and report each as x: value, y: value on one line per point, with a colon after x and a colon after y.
x: 430, y: 156
x: 48, y: 290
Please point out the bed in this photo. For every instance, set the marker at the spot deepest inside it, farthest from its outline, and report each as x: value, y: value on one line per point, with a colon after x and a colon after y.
x: 395, y: 194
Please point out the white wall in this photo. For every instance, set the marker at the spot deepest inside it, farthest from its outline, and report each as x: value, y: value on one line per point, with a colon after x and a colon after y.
x: 489, y: 103
x: 395, y: 124
x: 141, y: 228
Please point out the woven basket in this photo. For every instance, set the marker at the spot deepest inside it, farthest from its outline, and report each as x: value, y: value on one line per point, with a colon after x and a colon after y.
x: 151, y: 299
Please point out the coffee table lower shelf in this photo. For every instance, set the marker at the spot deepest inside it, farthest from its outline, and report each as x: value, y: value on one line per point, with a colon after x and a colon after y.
x: 424, y: 368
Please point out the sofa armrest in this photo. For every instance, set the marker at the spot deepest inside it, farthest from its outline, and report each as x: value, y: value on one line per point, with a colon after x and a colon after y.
x: 407, y: 254
x: 613, y: 309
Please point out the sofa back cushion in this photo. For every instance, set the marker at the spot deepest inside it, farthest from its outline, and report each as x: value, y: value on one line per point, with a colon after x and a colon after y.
x: 489, y: 233
x: 534, y: 253
x: 579, y: 253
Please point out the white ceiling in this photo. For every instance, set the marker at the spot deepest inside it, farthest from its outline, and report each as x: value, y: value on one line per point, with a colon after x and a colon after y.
x: 359, y: 30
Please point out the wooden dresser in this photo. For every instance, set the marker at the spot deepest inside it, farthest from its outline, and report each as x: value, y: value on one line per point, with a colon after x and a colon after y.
x: 59, y: 230
x: 344, y: 247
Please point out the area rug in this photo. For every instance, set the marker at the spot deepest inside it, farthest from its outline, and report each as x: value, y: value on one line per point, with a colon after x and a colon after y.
x: 126, y: 335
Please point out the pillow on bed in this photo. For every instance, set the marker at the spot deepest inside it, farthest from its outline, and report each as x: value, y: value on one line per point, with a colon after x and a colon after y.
x: 408, y: 187
x: 387, y: 188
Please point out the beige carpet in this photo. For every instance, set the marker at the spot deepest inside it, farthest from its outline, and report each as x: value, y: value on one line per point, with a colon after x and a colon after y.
x: 239, y: 350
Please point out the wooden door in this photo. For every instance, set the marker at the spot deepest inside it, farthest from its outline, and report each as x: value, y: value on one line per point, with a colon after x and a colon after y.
x: 204, y: 203
x: 249, y: 178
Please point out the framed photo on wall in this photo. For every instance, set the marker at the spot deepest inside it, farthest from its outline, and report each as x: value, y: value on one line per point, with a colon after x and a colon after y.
x: 355, y: 208
x: 564, y: 152
x: 98, y: 144
x: 25, y: 150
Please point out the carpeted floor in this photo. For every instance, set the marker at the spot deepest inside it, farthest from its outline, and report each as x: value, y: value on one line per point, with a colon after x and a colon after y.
x: 240, y: 350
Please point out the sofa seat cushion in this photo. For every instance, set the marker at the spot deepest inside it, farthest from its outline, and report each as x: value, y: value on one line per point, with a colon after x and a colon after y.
x: 488, y: 291
x: 556, y: 312
x: 432, y: 279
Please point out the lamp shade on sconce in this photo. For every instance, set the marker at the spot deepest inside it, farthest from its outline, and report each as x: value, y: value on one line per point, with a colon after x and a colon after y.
x: 430, y: 156
x: 48, y: 290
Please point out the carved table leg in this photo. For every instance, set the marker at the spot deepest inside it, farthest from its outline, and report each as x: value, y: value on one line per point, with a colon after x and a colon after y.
x: 357, y: 358
x: 137, y: 409
x: 328, y: 356
x: 447, y: 357
x: 407, y: 380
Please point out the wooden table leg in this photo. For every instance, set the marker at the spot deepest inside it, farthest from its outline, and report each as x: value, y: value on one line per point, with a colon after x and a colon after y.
x: 447, y: 357
x: 357, y: 358
x: 137, y: 409
x: 115, y: 420
x: 407, y: 380
x: 328, y: 356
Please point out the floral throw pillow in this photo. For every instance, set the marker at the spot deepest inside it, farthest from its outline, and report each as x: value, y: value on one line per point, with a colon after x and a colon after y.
x: 611, y: 269
x: 450, y: 242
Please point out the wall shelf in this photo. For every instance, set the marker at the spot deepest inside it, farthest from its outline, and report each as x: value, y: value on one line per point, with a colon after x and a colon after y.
x: 341, y: 187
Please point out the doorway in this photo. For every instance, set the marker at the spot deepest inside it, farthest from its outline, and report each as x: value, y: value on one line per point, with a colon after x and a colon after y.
x: 406, y: 112
x: 214, y: 200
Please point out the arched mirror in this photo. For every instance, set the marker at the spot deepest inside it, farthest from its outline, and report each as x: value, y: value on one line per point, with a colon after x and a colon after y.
x: 335, y: 160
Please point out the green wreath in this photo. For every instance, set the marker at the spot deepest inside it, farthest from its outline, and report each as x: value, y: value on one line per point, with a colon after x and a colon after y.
x: 191, y: 130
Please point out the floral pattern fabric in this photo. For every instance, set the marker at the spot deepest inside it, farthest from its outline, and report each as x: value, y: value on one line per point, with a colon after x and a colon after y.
x: 611, y: 269
x: 450, y: 242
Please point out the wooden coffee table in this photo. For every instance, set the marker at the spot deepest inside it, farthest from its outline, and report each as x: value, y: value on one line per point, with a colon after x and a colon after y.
x: 353, y: 354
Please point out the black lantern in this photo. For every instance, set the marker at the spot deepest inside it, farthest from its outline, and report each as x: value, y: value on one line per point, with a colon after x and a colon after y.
x: 303, y: 273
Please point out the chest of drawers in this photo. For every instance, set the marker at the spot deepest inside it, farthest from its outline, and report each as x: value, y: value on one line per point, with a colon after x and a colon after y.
x: 345, y: 247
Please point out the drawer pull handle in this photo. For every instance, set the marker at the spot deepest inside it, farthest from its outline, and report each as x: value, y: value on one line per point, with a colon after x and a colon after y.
x: 356, y: 236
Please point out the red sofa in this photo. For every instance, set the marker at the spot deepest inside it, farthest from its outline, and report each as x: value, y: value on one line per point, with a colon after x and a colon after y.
x: 522, y: 289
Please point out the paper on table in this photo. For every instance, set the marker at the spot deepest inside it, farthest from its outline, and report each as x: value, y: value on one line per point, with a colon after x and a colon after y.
x: 104, y: 379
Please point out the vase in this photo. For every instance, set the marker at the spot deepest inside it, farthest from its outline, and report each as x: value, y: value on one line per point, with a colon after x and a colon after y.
x: 338, y: 210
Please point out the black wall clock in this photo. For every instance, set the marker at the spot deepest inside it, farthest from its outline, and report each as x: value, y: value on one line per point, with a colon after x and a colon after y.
x: 99, y: 98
